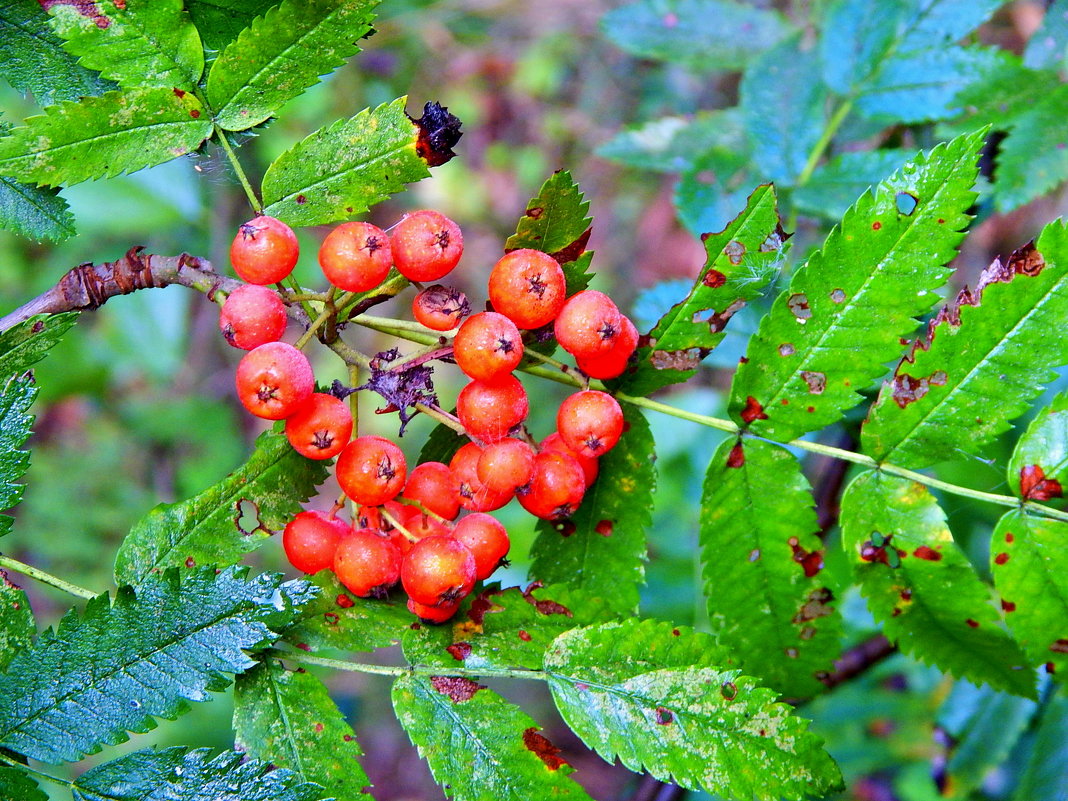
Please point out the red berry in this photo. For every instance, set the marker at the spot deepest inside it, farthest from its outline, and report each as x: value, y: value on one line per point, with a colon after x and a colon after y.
x: 473, y: 494
x: 613, y: 363
x: 590, y: 422
x: 589, y: 324
x: 367, y: 563
x: 274, y: 380
x: 440, y: 308
x: 486, y: 538
x: 264, y: 251
x: 426, y: 245
x: 528, y: 287
x: 252, y: 315
x: 321, y: 427
x: 556, y: 488
x: 421, y: 525
x: 489, y: 410
x: 371, y: 516
x: 433, y: 614
x: 590, y: 467
x: 488, y: 345
x: 506, y: 466
x: 371, y: 470
x: 438, y: 570
x: 434, y: 486
x: 310, y: 540
x: 356, y: 256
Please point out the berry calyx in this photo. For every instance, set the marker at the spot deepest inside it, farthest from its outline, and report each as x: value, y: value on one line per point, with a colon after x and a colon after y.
x: 434, y: 486
x: 356, y: 256
x: 440, y: 308
x: 264, y: 251
x: 486, y: 538
x: 321, y: 427
x: 371, y: 470
x: 506, y: 466
x: 273, y: 380
x: 528, y: 287
x: 251, y: 316
x: 589, y: 324
x: 489, y: 410
x: 613, y: 363
x: 310, y: 540
x: 367, y: 563
x: 590, y: 422
x: 426, y: 245
x: 438, y: 570
x: 557, y: 487
x: 488, y: 345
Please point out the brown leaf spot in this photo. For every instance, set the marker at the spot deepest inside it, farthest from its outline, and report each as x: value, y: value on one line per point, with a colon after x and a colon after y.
x: 535, y: 212
x: 798, y: 306
x: 1008, y: 606
x: 675, y: 633
x: 734, y: 251
x: 729, y: 690
x: 565, y: 527
x: 676, y: 359
x: 179, y: 93
x: 301, y: 200
x: 930, y: 554
x: 524, y: 636
x: 753, y: 410
x: 838, y: 296
x: 664, y: 716
x: 754, y: 554
x: 539, y: 745
x: 1001, y: 558
x: 438, y: 131
x: 348, y: 738
x: 87, y: 8
x: 545, y: 607
x: 1010, y: 538
x: 194, y: 113
x: 457, y: 688
x: 816, y: 605
x: 574, y: 250
x: 972, y: 623
x: 459, y: 651
x: 714, y: 279
x: 247, y: 518
x: 331, y: 618
x: 190, y: 562
x: 481, y: 605
x: 811, y: 561
x: 1034, y: 486
x: 736, y: 457
x: 1027, y: 261
x: 1059, y: 646
x: 791, y: 653
x: 875, y: 226
x: 816, y: 382
x: 869, y: 552
x: 344, y: 601
x: 318, y: 727
x: 905, y: 389
x: 604, y: 528
x: 786, y: 349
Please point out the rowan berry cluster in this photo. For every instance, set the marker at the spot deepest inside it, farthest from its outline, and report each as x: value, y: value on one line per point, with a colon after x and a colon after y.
x: 407, y: 524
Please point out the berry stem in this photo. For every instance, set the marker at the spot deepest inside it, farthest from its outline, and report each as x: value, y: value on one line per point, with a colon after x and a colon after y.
x: 354, y: 398
x: 350, y: 355
x: 405, y: 329
x: 420, y: 357
x: 239, y: 171
x: 45, y: 578
x: 389, y: 518
x: 328, y: 313
x: 443, y: 417
x: 405, y: 670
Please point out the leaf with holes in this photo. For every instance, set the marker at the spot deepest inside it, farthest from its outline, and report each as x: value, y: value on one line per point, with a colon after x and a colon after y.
x: 762, y: 560
x: 34, y: 212
x: 136, y: 43
x: 740, y: 261
x: 1038, y: 468
x: 834, y: 186
x: 25, y: 344
x: 832, y: 332
x: 478, y: 745
x: 121, y: 664
x: 921, y: 587
x: 649, y: 696
x: 17, y: 626
x: 227, y: 520
x: 984, y: 358
x: 281, y: 54
x: 16, y: 397
x: 288, y: 719
x: 18, y: 786
x: 601, y: 548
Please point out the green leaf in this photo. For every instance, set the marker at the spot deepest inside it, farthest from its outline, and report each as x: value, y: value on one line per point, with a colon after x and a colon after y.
x: 479, y: 746
x: 1046, y: 773
x: 288, y: 719
x: 16, y: 397
x: 1038, y: 468
x: 1030, y: 567
x: 334, y: 619
x: 978, y: 367
x: 32, y: 58
x: 601, y: 549
x: 17, y: 626
x: 25, y: 344
x: 281, y: 54
x: 921, y: 587
x: 101, y: 137
x: 714, y: 189
x: 137, y: 43
x: 18, y: 786
x: 836, y: 185
x: 762, y: 559
x: 741, y: 259
x: 220, y: 21
x: 120, y: 665
x: 34, y: 212
x: 854, y: 42
x: 345, y: 168
x: 833, y: 330
x: 679, y: 31
x: 227, y: 520
x: 181, y: 774
x: 673, y: 144
x: 1032, y: 160
x: 643, y: 694
x: 784, y: 101
x: 1048, y: 46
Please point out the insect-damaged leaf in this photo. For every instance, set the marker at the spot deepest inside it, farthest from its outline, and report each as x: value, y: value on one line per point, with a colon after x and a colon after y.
x: 840, y: 321
x: 478, y: 745
x: 984, y: 357
x: 17, y: 626
x: 767, y: 599
x: 834, y: 186
x: 25, y: 344
x: 654, y: 698
x: 741, y: 259
x: 1038, y: 468
x: 921, y: 587
x: 227, y: 520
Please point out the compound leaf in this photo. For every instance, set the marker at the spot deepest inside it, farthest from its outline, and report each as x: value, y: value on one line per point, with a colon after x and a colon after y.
x: 281, y: 54
x: 345, y: 168
x: 672, y: 144
x: 840, y: 321
x: 836, y: 185
x: 762, y: 559
x: 16, y: 397
x: 978, y: 366
x: 921, y: 587
x: 1031, y: 160
x: 220, y: 21
x: 18, y: 786
x: 101, y: 137
x: 478, y: 745
x: 181, y: 774
x: 601, y: 549
x: 120, y: 665
x: 25, y: 344
x: 853, y: 43
x: 136, y: 43
x: 34, y: 212
x: 650, y: 696
x: 1038, y: 468
x: 288, y: 719
x: 17, y: 626
x: 1030, y: 567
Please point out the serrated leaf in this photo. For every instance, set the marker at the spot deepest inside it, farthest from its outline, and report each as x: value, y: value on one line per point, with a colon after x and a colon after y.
x: 833, y: 330
x: 334, y: 619
x: 101, y: 137
x: 16, y: 397
x: 25, y: 344
x: 1030, y: 567
x: 281, y: 54
x: 220, y: 21
x: 678, y: 31
x: 120, y: 665
x: 783, y: 102
x: 479, y: 746
x: 601, y: 549
x: 32, y: 58
x: 1038, y: 468
x: 288, y: 719
x: 16, y: 785
x: 136, y: 43
x: 181, y: 774
x: 672, y: 144
x: 642, y: 692
x: 977, y: 367
x: 714, y: 189
x: 854, y: 42
x: 17, y: 626
x: 762, y: 561
x: 740, y: 261
x: 836, y: 185
x: 921, y: 587
x: 227, y: 520
x: 34, y: 212
x: 345, y: 168
x: 1046, y: 773
x: 1032, y: 160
